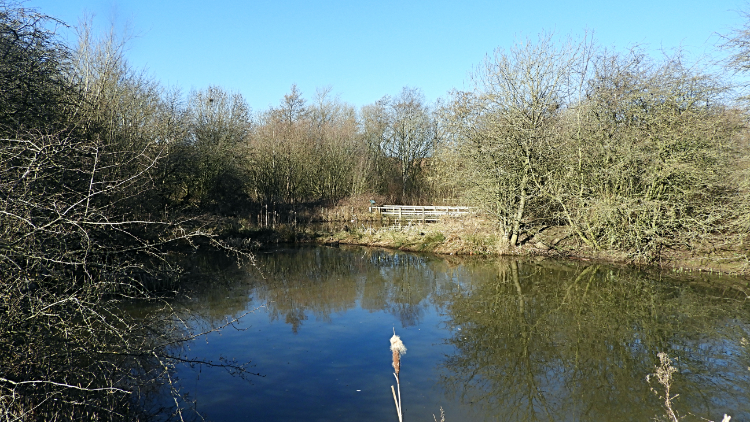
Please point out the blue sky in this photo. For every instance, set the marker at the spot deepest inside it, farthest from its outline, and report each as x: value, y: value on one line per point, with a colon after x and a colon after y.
x: 365, y: 50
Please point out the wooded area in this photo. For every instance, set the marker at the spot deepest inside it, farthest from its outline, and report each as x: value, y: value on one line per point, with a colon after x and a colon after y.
x: 630, y: 152
x: 101, y: 168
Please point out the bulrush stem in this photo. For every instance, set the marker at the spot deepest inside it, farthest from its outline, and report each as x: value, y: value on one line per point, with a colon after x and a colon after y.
x: 398, y: 407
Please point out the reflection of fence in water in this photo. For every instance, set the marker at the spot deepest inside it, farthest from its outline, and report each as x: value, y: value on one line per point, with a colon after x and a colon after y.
x: 425, y: 213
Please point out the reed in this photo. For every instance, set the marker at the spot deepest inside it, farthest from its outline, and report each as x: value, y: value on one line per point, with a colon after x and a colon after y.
x: 397, y: 349
x: 663, y: 376
x: 442, y: 415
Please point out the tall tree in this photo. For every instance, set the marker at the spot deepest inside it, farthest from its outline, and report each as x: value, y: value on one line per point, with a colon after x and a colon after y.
x: 412, y: 137
x: 334, y: 148
x: 218, y: 123
x: 506, y: 124
x: 402, y: 129
x: 374, y: 123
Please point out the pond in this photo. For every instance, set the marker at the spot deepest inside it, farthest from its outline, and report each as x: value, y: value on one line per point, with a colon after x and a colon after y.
x: 487, y: 339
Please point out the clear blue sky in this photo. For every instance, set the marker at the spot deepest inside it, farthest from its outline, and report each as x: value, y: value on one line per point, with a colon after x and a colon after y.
x: 365, y: 50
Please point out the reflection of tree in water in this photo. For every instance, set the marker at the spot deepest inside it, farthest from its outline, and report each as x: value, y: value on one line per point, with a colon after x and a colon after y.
x: 534, y: 341
x: 550, y: 342
x: 109, y: 359
x: 324, y: 281
x: 408, y: 283
x: 294, y: 317
x: 215, y: 288
x: 313, y: 280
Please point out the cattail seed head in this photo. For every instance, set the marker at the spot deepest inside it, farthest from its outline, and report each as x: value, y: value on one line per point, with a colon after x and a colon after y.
x: 397, y: 345
x: 398, y: 349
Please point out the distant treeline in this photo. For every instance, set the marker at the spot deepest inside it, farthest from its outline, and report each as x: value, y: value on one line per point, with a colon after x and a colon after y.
x: 629, y: 151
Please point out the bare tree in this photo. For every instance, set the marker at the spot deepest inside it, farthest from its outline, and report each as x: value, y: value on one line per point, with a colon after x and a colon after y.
x: 274, y: 162
x: 401, y: 129
x: 218, y: 124
x: 376, y: 168
x: 506, y: 125
x: 34, y: 70
x: 412, y: 137
x: 334, y: 146
x: 72, y: 245
x: 304, y: 152
x: 647, y: 167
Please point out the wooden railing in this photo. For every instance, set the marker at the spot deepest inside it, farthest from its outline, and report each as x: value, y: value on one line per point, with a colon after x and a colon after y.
x: 420, y: 212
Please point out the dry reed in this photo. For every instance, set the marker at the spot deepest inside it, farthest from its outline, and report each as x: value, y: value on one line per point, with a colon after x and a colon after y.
x: 397, y: 349
x: 663, y: 376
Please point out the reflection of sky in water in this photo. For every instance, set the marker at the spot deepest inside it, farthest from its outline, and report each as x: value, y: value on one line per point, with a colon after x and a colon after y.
x: 330, y: 313
x: 315, y: 373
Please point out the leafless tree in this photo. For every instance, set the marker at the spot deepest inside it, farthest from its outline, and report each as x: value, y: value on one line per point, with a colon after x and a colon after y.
x: 401, y: 129
x: 73, y: 245
x: 506, y: 126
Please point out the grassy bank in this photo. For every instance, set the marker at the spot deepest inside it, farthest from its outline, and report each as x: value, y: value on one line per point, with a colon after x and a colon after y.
x: 472, y: 236
x: 479, y: 237
x: 350, y: 222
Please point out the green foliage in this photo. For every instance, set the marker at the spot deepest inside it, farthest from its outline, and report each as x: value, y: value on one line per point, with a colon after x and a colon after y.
x: 434, y: 237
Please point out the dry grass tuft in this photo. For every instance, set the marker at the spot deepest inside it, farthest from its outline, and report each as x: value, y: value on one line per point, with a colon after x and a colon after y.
x: 663, y: 376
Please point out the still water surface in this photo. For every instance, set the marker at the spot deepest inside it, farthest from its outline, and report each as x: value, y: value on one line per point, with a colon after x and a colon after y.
x: 493, y: 339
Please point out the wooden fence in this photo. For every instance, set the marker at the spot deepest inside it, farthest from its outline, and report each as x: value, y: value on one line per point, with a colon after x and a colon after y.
x: 425, y: 213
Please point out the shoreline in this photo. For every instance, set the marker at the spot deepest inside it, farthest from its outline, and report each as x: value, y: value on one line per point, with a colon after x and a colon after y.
x: 479, y: 237
x: 678, y: 261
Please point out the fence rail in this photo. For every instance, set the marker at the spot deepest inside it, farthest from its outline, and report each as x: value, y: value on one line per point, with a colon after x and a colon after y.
x: 421, y: 212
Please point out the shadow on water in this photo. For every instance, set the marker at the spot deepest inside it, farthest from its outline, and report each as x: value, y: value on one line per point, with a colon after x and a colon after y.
x: 487, y: 339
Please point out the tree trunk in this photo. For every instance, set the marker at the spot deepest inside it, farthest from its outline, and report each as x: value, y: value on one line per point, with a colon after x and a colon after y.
x: 519, y: 212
